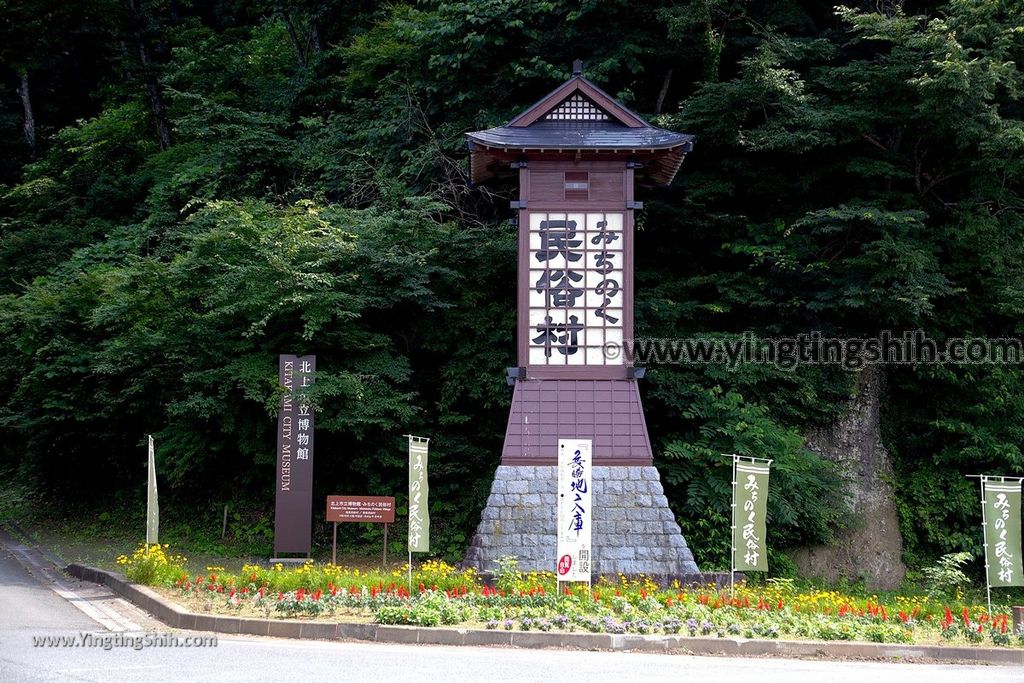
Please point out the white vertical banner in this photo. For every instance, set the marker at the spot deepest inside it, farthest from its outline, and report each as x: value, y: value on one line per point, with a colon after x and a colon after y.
x: 152, y: 506
x: 574, y: 510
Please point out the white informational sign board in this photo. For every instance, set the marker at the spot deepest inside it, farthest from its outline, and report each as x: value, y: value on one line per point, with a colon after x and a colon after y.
x: 575, y: 518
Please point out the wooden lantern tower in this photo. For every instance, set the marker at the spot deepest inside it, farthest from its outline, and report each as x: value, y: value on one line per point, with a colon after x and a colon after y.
x: 578, y: 155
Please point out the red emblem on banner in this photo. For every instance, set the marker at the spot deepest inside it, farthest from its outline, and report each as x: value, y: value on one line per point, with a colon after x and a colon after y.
x: 564, y: 565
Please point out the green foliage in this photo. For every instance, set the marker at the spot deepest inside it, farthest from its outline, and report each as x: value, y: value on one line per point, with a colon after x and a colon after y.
x: 806, y: 502
x: 946, y: 578
x: 856, y: 170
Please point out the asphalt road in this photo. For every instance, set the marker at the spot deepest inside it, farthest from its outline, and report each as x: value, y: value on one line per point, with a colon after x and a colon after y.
x: 28, y: 609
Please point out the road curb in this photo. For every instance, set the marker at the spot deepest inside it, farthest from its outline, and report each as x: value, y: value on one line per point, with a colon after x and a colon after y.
x: 177, y: 617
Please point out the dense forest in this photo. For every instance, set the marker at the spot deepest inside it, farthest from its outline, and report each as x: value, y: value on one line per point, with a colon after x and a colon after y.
x: 190, y: 187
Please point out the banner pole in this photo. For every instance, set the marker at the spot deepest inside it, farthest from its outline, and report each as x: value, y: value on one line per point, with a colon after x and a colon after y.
x: 732, y: 535
x: 984, y: 537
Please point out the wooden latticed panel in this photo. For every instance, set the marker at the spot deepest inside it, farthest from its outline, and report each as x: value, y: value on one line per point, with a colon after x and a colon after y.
x: 576, y: 108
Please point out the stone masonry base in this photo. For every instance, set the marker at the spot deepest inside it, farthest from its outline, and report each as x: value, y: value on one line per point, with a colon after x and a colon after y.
x: 634, y: 530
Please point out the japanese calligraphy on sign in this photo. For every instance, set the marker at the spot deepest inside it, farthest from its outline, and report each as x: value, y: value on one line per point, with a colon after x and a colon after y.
x: 573, y: 561
x: 750, y: 498
x: 1002, y: 498
x: 419, y: 513
x: 293, y: 512
x: 576, y: 287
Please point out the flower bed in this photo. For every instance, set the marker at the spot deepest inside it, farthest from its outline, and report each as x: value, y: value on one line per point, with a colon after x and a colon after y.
x: 442, y: 595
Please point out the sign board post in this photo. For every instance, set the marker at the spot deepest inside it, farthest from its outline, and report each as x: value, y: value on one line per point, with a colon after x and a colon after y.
x: 293, y: 509
x: 360, y: 509
x: 573, y: 558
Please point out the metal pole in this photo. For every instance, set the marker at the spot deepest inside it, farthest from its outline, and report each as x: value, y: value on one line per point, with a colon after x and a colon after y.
x: 385, y: 545
x: 984, y: 537
x: 334, y: 546
x: 732, y: 534
x: 410, y: 573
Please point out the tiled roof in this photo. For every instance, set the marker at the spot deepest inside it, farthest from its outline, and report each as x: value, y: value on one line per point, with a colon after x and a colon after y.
x: 573, y: 135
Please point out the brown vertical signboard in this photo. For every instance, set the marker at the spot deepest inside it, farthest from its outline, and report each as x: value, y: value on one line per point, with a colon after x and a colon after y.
x: 293, y: 512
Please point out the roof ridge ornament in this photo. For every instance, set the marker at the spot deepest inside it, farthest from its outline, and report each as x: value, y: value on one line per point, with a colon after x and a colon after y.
x: 577, y: 68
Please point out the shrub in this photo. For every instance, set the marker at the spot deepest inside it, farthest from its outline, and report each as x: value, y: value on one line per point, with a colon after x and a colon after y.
x: 152, y: 566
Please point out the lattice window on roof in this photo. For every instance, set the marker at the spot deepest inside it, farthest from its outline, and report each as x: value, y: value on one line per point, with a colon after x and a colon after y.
x: 576, y: 108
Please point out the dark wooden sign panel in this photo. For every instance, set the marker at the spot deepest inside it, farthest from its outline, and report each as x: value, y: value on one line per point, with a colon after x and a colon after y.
x: 293, y: 511
x: 361, y: 509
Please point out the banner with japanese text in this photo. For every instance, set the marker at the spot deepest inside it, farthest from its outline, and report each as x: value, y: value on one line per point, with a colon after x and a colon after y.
x: 1001, y: 498
x: 750, y: 498
x: 293, y: 509
x: 419, y: 490
x: 575, y: 513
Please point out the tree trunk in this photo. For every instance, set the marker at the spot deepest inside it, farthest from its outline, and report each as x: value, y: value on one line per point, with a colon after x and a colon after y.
x: 314, y: 37
x: 29, y: 124
x: 156, y: 98
x: 294, y: 37
x: 664, y: 91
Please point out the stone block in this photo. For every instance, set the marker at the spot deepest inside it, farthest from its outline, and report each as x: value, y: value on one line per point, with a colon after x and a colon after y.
x: 517, y: 487
x: 318, y: 631
x: 441, y: 636
x: 397, y: 634
x: 284, y: 629
x: 496, y: 637
x: 357, y: 631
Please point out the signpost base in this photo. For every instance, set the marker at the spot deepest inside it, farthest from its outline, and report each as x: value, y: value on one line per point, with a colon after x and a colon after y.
x: 635, y: 531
